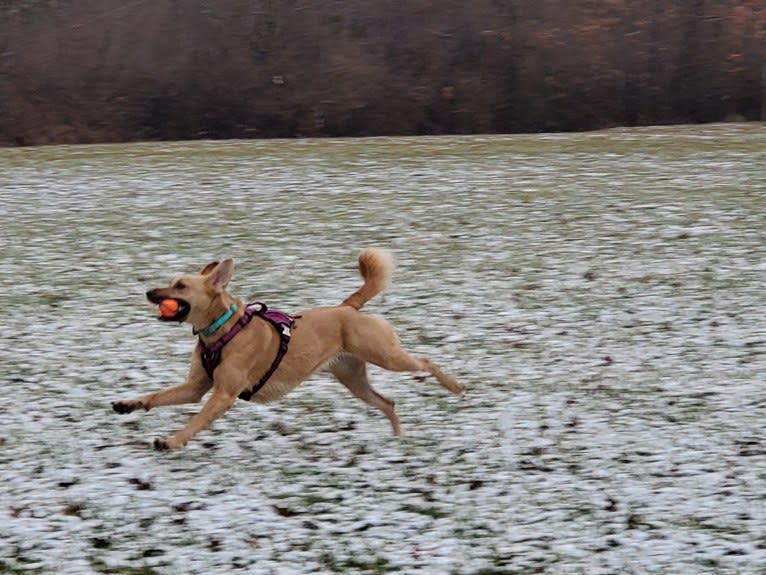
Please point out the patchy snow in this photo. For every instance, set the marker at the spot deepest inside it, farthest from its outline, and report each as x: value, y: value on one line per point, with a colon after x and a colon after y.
x: 600, y: 296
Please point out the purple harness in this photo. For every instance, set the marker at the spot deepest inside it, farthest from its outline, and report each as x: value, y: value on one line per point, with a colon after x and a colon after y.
x: 282, y: 322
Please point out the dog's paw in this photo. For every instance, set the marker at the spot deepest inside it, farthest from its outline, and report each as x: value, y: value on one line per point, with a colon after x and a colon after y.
x: 161, y: 444
x: 167, y: 443
x: 126, y: 406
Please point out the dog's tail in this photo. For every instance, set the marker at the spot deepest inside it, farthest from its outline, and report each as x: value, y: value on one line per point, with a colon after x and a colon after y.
x: 376, y: 266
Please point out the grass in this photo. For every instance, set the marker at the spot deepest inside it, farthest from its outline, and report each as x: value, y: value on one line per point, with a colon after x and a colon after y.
x: 17, y: 568
x: 104, y: 569
x: 523, y: 262
x: 372, y: 564
x: 427, y: 510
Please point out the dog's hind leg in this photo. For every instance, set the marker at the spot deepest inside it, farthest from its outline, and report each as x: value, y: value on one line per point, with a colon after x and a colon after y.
x: 401, y: 360
x: 374, y: 340
x: 352, y: 372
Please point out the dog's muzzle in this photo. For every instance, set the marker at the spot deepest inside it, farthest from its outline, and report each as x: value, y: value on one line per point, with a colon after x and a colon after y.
x: 157, y: 296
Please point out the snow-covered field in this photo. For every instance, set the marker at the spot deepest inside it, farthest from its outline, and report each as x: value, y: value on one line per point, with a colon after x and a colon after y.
x: 600, y: 295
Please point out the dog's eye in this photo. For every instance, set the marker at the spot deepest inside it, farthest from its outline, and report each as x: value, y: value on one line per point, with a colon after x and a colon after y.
x: 180, y: 285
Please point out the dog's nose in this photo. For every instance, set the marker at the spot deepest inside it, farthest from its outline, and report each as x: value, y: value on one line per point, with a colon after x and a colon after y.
x: 152, y: 295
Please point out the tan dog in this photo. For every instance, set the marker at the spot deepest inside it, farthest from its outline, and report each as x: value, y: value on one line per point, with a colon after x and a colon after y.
x: 339, y: 340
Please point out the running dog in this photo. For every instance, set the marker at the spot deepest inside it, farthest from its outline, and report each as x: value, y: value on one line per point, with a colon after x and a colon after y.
x: 257, y: 354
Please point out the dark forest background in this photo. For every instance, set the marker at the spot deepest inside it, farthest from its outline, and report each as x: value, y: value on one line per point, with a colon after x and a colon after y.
x: 116, y: 70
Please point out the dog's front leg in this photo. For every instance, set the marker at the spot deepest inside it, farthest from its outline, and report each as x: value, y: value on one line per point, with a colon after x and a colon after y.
x: 219, y: 403
x: 187, y: 392
x: 192, y: 390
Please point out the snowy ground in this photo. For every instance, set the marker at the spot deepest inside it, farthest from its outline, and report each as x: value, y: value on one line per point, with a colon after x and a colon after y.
x: 600, y: 296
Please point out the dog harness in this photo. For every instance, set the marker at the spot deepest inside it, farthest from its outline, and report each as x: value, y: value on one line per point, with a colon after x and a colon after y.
x: 282, y: 322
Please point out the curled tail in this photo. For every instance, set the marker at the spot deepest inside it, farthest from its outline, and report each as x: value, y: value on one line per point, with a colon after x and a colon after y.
x: 376, y: 266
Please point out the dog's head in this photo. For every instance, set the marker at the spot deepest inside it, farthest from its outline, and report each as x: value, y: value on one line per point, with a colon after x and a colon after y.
x: 198, y: 295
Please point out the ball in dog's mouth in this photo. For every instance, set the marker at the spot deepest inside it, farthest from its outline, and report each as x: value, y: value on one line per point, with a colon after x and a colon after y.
x: 169, y: 307
x: 172, y: 309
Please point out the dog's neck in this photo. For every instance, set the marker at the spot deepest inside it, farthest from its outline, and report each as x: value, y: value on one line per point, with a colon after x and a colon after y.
x: 228, y: 309
x: 216, y: 325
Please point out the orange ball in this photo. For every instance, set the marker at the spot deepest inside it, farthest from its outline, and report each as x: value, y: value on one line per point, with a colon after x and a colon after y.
x: 168, y: 307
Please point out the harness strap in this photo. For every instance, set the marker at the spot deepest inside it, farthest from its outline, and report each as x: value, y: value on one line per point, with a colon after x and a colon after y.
x: 282, y: 322
x: 211, y: 354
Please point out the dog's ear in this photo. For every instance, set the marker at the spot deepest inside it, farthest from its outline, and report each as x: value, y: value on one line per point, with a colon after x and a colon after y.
x: 220, y: 275
x: 208, y: 268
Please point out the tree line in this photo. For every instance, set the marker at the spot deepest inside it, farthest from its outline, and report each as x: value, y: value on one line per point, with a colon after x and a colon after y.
x: 119, y: 70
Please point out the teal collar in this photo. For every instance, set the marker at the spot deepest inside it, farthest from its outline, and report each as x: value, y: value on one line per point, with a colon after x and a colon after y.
x: 209, y: 330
